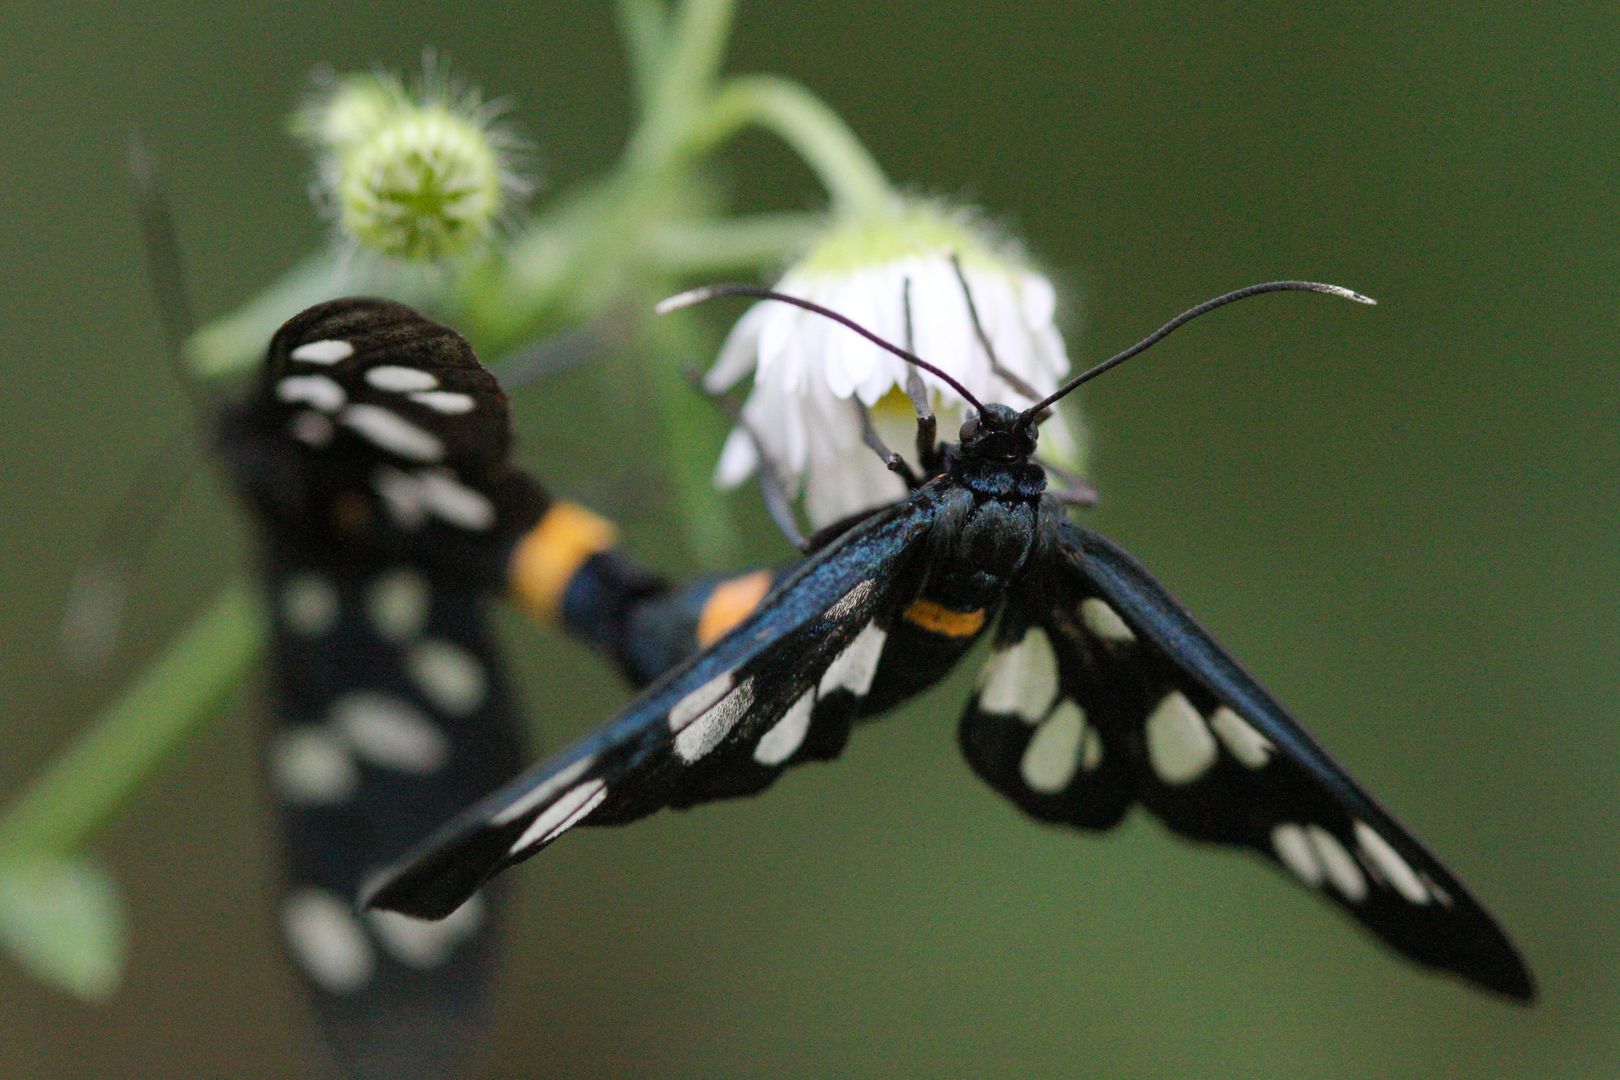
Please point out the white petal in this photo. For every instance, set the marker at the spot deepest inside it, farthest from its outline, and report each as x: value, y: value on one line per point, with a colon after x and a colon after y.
x: 738, y: 354
x: 738, y: 460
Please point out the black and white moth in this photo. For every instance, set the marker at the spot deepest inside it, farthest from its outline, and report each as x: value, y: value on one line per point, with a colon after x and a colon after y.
x: 1101, y: 692
x: 373, y: 451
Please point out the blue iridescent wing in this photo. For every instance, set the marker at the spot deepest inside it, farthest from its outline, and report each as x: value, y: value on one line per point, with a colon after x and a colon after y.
x: 725, y: 723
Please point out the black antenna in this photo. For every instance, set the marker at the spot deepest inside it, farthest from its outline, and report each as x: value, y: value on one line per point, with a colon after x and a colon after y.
x: 710, y: 292
x: 1029, y: 414
x: 94, y: 612
x: 163, y: 262
x: 94, y: 609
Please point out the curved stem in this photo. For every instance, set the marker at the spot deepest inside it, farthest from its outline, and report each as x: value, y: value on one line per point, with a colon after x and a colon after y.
x: 110, y: 759
x: 700, y: 248
x: 693, y: 52
x: 849, y: 173
x: 645, y: 29
x: 233, y: 343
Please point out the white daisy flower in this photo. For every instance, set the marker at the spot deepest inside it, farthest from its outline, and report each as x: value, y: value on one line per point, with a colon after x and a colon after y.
x: 808, y: 371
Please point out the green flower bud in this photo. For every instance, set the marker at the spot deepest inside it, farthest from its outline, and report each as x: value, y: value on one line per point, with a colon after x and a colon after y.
x: 418, y: 175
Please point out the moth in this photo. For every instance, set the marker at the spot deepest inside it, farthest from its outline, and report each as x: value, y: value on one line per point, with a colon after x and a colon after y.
x: 374, y: 452
x: 1100, y: 692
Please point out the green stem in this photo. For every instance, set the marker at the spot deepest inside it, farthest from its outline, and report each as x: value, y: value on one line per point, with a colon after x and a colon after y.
x: 235, y: 342
x: 698, y: 248
x: 690, y: 424
x: 691, y: 64
x: 116, y: 753
x: 849, y: 173
x: 645, y: 29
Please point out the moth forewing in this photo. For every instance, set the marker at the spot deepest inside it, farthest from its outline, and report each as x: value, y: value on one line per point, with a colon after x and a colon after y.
x: 698, y: 732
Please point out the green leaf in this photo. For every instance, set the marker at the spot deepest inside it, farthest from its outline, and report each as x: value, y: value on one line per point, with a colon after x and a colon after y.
x: 63, y: 919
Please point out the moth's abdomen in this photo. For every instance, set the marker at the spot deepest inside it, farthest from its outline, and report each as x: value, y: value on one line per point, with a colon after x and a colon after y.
x: 388, y: 714
x: 566, y: 569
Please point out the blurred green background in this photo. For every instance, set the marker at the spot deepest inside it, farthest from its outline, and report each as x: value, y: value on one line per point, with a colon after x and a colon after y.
x: 1402, y: 518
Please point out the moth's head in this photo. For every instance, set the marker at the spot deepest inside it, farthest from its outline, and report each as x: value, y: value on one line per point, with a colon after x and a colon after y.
x: 997, y: 433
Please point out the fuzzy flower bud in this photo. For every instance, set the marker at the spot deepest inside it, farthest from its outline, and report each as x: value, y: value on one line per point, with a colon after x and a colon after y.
x: 416, y: 174
x: 809, y: 373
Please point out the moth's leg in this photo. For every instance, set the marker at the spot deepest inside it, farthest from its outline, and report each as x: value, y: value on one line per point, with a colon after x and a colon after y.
x: 891, y: 460
x: 1008, y: 377
x: 928, y: 454
x: 928, y: 450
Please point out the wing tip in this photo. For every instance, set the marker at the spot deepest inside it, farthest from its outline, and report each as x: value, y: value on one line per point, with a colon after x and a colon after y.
x: 1511, y: 979
x: 434, y: 881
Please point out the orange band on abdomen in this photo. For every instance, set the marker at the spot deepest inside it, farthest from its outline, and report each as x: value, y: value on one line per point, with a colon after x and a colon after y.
x: 729, y: 604
x: 547, y: 559
x: 938, y: 619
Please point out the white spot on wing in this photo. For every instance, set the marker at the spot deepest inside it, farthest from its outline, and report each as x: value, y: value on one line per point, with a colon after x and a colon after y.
x: 401, y: 495
x: 310, y: 767
x: 397, y: 604
x: 389, y: 431
x: 309, y: 604
x: 785, y: 737
x: 1242, y: 740
x: 1021, y: 680
x: 1341, y: 867
x: 400, y: 380
x: 450, y: 676
x: 569, y: 810
x: 1437, y: 891
x: 311, y: 429
x: 1294, y: 848
x: 323, y: 352
x: 548, y: 787
x: 1396, y: 870
x: 1104, y: 621
x: 316, y: 390
x: 389, y: 731
x: 1053, y: 754
x: 453, y: 501
x: 852, y: 599
x: 697, y: 702
x: 856, y: 665
x: 703, y: 734
x: 1180, y: 746
x: 1091, y: 753
x: 447, y: 402
x: 327, y: 941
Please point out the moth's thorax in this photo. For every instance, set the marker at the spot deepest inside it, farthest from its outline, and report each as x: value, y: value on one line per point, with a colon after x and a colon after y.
x: 990, y: 524
x: 996, y: 509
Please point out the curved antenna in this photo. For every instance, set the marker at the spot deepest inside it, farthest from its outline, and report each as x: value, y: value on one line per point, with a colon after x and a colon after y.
x: 1029, y: 414
x: 93, y: 615
x: 164, y: 264
x: 710, y: 292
